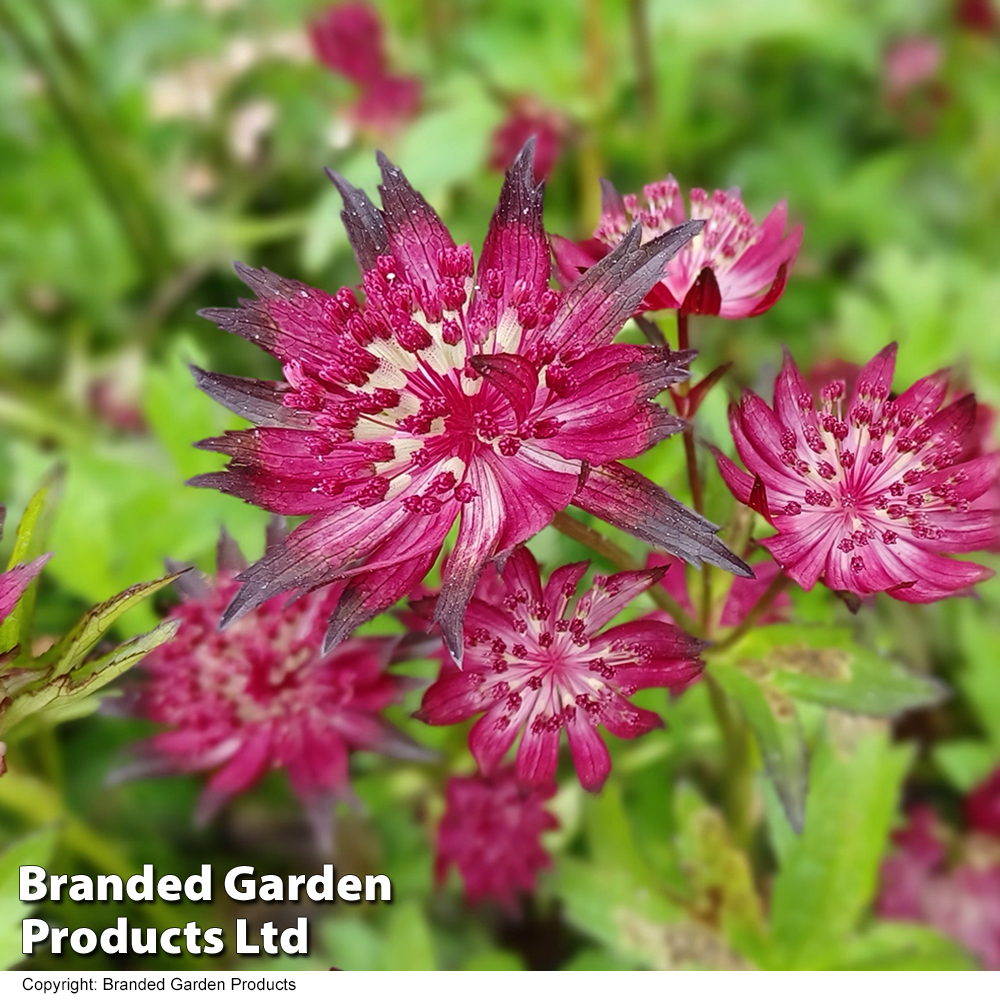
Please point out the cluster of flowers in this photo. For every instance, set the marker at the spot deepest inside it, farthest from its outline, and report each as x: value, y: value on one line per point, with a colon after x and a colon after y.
x: 947, y: 880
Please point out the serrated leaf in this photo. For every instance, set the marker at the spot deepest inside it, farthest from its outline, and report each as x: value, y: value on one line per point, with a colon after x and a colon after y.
x: 830, y: 872
x: 824, y: 665
x: 32, y: 533
x: 772, y: 718
x: 70, y: 651
x: 35, y: 849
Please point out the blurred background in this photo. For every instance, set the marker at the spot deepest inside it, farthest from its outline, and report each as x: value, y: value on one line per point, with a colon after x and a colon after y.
x: 146, y: 144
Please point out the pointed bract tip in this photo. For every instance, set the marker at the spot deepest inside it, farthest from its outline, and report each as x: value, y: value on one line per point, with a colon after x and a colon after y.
x: 523, y: 167
x: 612, y: 203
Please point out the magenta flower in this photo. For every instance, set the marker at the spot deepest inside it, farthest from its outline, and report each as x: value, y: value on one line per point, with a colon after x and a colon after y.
x: 733, y: 268
x: 14, y: 582
x: 743, y: 594
x: 866, y: 493
x: 527, y: 117
x: 982, y: 805
x: 446, y: 393
x: 910, y: 63
x: 961, y: 900
x: 262, y: 695
x: 348, y: 39
x: 491, y: 832
x: 536, y: 667
x: 977, y: 15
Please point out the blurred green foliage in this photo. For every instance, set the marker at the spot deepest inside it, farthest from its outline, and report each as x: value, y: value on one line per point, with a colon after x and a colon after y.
x: 131, y: 174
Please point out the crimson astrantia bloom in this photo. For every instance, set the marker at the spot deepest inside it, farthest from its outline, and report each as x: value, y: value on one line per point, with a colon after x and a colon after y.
x: 866, y: 493
x: 978, y: 15
x: 491, y: 832
x: 15, y: 581
x: 348, y: 39
x: 262, y: 695
x: 733, y: 268
x: 535, y: 665
x: 960, y: 899
x: 446, y: 392
x: 742, y: 596
x: 528, y: 117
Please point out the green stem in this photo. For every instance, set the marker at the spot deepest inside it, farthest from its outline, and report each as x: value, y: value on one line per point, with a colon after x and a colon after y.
x: 618, y: 557
x: 738, y: 781
x: 763, y: 605
x: 642, y: 57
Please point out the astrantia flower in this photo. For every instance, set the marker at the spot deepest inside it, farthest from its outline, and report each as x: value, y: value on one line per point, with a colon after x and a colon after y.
x: 866, y: 493
x: 15, y: 581
x: 447, y: 392
x: 491, y: 832
x: 733, y: 268
x: 536, y: 666
x: 982, y: 805
x: 978, y: 15
x: 348, y: 39
x: 743, y: 594
x: 262, y: 695
x: 961, y: 899
x: 527, y: 117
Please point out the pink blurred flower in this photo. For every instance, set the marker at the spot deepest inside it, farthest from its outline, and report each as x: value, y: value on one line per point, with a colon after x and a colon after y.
x: 866, y: 494
x: 527, y: 117
x: 733, y: 268
x: 14, y: 582
x: 348, y: 39
x: 488, y: 396
x: 491, y: 832
x: 743, y: 594
x: 910, y: 63
x: 262, y: 695
x: 534, y: 667
x: 982, y: 806
x: 977, y: 15
x: 962, y: 899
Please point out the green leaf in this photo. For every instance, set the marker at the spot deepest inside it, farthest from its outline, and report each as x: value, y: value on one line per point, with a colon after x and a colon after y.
x: 772, y: 717
x: 979, y: 678
x: 966, y: 763
x: 409, y: 946
x: 495, y: 960
x: 830, y: 873
x: 32, y: 533
x: 69, y: 652
x: 905, y: 947
x: 824, y: 665
x: 35, y: 849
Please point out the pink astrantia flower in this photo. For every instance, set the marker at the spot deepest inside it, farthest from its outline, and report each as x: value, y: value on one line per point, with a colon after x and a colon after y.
x: 960, y: 899
x: 262, y: 695
x: 450, y: 392
x: 348, y: 39
x: 15, y: 581
x: 527, y: 117
x: 733, y: 268
x: 743, y: 594
x: 534, y: 666
x: 866, y: 493
x: 491, y: 832
x: 978, y: 15
x: 908, y: 64
x: 982, y: 805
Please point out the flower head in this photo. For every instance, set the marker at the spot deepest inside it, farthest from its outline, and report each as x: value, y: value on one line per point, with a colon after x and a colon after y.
x: 910, y: 63
x: 961, y: 899
x: 348, y: 39
x: 734, y: 267
x: 743, y: 594
x: 977, y: 15
x: 14, y: 582
x: 450, y: 392
x: 536, y: 666
x: 527, y: 117
x: 491, y: 832
x: 262, y: 695
x: 867, y: 493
